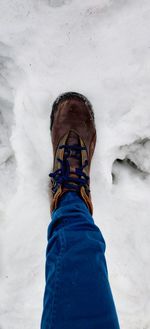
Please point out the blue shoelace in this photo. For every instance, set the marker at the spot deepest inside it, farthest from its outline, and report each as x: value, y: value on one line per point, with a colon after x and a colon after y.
x: 62, y: 176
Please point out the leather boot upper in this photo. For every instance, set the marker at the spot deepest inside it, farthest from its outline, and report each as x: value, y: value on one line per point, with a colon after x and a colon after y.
x: 73, y: 136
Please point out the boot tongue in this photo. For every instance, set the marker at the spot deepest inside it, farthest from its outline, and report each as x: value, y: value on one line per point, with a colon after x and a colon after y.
x: 75, y: 157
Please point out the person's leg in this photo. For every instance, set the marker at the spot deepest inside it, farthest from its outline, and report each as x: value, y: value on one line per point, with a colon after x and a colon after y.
x: 77, y: 293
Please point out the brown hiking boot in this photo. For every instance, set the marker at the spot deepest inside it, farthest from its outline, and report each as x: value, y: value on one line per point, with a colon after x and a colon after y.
x: 73, y: 137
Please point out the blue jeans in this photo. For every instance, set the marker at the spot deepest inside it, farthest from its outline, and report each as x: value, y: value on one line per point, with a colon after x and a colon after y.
x: 77, y: 293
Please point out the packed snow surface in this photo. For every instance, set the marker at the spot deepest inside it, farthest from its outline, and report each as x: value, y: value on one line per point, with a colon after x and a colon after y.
x: 100, y: 48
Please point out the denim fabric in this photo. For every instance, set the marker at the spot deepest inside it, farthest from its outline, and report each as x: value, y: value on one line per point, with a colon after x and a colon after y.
x: 77, y: 293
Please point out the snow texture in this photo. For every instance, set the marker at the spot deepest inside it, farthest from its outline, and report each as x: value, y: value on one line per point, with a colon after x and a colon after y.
x: 100, y: 49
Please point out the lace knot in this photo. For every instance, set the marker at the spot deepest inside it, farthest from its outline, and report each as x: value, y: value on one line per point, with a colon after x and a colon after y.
x: 67, y: 178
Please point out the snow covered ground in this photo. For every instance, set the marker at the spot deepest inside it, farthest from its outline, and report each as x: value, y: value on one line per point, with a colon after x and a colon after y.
x: 100, y: 48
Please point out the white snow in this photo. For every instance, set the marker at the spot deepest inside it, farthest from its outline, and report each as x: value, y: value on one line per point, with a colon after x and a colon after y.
x: 101, y: 49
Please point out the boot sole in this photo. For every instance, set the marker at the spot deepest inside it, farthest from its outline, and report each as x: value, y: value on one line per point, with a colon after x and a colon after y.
x: 66, y: 96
